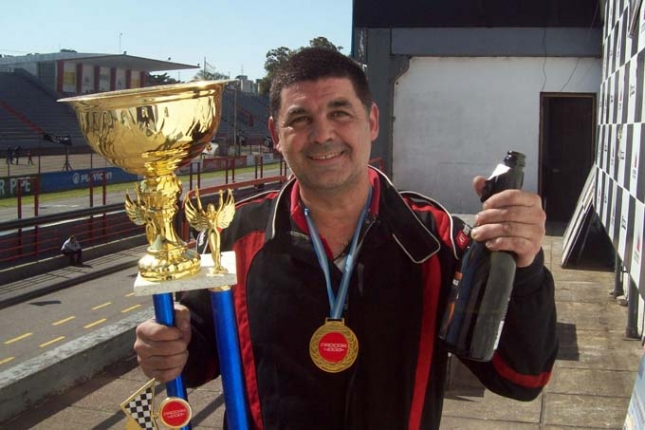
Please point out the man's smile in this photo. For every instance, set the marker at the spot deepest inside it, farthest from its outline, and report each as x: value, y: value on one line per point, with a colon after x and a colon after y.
x: 327, y: 156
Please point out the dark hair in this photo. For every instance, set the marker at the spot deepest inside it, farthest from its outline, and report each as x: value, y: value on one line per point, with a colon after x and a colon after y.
x: 312, y: 64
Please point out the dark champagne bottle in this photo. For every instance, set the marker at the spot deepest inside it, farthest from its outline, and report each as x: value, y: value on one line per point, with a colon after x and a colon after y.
x: 474, y: 315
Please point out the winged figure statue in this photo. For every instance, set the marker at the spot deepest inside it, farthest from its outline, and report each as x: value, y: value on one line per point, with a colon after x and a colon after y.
x: 212, y: 220
x: 139, y: 213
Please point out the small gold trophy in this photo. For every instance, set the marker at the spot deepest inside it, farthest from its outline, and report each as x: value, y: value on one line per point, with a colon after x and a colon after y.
x: 152, y: 132
x: 212, y: 221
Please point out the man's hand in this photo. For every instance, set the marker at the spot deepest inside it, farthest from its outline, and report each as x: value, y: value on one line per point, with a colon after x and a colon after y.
x: 512, y: 220
x: 162, y: 351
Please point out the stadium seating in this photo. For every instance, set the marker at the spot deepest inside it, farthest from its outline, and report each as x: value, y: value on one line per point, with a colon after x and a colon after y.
x: 28, y: 110
x: 252, y: 118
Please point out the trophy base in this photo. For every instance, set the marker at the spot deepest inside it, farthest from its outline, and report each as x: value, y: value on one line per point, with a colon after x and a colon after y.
x: 201, y: 281
x: 155, y: 269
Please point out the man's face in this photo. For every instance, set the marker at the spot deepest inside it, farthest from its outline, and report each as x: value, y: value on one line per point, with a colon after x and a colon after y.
x: 324, y: 133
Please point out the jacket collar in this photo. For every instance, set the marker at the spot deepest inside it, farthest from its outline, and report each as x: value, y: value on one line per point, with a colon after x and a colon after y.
x: 388, y: 207
x: 412, y: 235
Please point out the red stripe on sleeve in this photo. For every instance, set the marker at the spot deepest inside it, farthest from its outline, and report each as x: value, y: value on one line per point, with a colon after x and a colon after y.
x: 530, y: 381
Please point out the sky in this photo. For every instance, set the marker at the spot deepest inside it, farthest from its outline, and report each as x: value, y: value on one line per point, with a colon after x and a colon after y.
x: 233, y: 36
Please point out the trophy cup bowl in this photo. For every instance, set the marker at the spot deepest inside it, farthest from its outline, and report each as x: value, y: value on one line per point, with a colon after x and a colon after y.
x: 151, y: 132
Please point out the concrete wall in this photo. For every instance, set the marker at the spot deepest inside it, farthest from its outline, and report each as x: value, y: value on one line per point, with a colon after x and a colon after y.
x: 454, y: 117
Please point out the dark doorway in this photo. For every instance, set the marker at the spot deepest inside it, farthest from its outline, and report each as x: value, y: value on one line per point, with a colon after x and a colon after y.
x: 566, y: 151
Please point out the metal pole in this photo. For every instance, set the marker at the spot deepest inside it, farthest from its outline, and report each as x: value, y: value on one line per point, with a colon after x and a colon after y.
x: 235, y: 143
x: 91, y: 195
x: 19, y: 198
x: 256, y: 166
x: 20, y: 214
x: 104, y: 188
x: 190, y: 176
x: 165, y: 314
x: 199, y: 173
x: 104, y: 203
x: 631, y: 331
x: 229, y: 355
x: 618, y: 278
x: 91, y: 187
x: 36, y: 191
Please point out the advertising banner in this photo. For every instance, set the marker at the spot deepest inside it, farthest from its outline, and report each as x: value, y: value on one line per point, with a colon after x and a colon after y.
x: 60, y: 181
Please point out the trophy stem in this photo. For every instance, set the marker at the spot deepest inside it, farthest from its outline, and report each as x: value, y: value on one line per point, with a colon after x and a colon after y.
x: 167, y: 257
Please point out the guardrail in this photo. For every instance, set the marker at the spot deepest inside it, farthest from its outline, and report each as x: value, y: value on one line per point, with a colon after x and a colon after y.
x: 29, y: 239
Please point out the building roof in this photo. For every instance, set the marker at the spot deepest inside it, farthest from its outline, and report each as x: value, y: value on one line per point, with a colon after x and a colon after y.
x: 131, y: 62
x: 124, y: 61
x: 476, y: 13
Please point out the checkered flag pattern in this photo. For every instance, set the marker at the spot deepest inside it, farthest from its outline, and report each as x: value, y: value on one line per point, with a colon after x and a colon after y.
x: 620, y: 177
x: 140, y: 406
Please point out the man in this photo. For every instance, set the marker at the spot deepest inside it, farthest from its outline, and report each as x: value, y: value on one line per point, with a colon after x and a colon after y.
x: 72, y: 248
x: 292, y: 250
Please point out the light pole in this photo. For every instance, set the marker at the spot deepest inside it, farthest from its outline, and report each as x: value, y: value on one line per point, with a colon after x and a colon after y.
x: 120, y: 35
x: 39, y: 152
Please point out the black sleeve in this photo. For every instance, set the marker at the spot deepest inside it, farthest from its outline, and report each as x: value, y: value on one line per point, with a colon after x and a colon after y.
x: 528, y: 345
x: 203, y: 362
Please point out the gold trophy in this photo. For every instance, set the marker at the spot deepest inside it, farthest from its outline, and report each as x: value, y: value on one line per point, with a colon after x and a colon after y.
x: 153, y: 131
x: 211, y: 221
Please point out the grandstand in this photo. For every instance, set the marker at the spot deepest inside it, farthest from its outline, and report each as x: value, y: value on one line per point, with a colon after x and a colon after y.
x: 29, y: 111
x: 251, y: 122
x: 31, y: 117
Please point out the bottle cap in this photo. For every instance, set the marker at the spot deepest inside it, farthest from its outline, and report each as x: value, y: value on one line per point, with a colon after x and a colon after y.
x: 514, y: 158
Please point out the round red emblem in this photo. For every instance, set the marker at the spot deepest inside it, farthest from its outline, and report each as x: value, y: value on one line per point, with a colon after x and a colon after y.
x: 333, y: 347
x: 175, y: 412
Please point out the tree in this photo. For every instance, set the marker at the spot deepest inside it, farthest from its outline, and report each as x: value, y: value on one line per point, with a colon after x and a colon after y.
x: 209, y: 73
x: 323, y: 42
x: 162, y: 79
x: 204, y: 75
x: 275, y: 58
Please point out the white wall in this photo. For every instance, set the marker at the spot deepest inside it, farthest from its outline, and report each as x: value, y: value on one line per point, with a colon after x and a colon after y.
x: 456, y: 117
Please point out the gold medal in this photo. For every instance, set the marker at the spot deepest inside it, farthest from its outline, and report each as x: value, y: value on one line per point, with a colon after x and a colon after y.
x: 334, y: 346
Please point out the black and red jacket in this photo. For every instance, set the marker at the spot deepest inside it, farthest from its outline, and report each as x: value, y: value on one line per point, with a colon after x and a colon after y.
x: 409, y: 250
